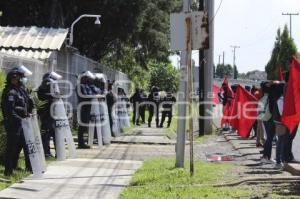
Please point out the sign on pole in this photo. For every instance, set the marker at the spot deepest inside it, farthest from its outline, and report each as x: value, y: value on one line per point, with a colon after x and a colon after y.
x: 199, y: 30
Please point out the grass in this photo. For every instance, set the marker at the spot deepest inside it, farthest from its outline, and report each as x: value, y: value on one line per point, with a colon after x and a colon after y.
x: 159, y: 179
x: 17, y: 175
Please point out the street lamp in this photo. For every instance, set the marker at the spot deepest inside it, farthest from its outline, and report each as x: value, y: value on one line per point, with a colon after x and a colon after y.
x: 97, y: 22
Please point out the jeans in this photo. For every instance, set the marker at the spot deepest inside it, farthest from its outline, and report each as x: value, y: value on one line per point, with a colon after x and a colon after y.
x: 282, y: 149
x: 270, y: 131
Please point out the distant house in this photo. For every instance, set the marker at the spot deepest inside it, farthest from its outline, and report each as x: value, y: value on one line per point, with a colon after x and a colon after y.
x: 257, y: 75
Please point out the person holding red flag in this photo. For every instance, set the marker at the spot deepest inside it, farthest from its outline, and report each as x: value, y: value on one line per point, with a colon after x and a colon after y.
x: 226, y: 98
x: 244, y: 112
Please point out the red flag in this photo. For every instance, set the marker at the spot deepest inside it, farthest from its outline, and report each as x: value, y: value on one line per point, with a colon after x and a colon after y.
x: 244, y: 112
x: 216, y: 90
x: 280, y: 74
x: 291, y: 106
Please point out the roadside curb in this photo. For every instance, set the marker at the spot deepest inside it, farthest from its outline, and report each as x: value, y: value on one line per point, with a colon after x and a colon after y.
x: 292, y: 168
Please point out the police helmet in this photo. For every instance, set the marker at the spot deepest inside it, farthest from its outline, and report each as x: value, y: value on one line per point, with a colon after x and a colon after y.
x: 19, y: 70
x: 100, y: 76
x: 52, y: 75
x: 88, y: 74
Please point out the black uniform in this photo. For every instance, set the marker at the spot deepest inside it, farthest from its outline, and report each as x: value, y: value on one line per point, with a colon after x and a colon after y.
x: 142, y: 107
x: 110, y: 100
x: 153, y: 107
x: 44, y: 112
x: 85, y: 111
x: 135, y: 100
x: 16, y: 105
x: 167, y: 105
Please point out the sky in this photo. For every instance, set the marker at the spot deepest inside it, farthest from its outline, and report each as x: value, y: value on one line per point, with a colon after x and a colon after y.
x: 252, y: 25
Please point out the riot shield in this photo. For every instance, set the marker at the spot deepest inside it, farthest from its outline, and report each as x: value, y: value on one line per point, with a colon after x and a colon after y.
x: 63, y: 132
x: 116, y: 129
x: 124, y: 115
x: 35, y: 157
x: 95, y: 123
x: 38, y: 139
x: 105, y: 126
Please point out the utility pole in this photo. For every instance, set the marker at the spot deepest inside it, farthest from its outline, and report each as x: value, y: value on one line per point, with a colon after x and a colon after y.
x: 206, y: 72
x: 291, y: 15
x: 234, y: 58
x: 182, y: 98
x: 223, y: 58
x: 219, y: 63
x: 201, y: 82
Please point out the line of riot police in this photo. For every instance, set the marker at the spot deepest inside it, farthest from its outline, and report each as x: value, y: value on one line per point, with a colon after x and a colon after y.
x: 153, y: 103
x: 100, y: 113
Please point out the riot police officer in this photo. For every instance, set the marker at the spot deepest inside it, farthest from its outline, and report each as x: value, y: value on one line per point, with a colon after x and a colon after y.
x: 84, y: 94
x: 111, y: 99
x: 167, y: 105
x: 16, y: 104
x: 153, y: 106
x: 135, y: 99
x: 47, y: 93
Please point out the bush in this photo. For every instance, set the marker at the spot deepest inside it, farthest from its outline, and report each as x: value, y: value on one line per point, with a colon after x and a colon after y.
x: 2, y: 130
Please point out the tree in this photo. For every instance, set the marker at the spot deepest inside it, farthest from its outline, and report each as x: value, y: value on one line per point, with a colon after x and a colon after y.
x: 282, y: 53
x: 139, y: 24
x: 164, y: 76
x: 224, y: 70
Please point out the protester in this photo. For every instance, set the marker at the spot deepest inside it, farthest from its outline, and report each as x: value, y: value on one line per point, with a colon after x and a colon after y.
x: 269, y: 125
x: 255, y: 92
x: 226, y: 97
x: 16, y: 104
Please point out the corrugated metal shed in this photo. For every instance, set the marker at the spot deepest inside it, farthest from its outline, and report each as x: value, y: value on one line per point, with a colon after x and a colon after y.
x: 30, y: 54
x: 33, y: 38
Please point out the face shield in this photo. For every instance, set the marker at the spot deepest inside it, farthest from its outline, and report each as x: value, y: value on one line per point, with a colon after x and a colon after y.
x: 25, y: 71
x: 100, y: 76
x: 53, y: 75
x: 89, y: 75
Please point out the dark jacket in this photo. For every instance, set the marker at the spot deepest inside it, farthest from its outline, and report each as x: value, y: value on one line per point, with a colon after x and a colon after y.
x: 16, y: 105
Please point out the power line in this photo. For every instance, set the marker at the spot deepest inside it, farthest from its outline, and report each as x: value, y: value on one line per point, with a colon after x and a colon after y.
x: 217, y: 11
x: 291, y: 15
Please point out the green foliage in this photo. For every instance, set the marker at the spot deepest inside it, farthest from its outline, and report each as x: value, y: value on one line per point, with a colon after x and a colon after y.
x: 159, y: 179
x: 142, y: 25
x: 224, y: 70
x: 2, y: 131
x: 164, y: 76
x: 282, y: 53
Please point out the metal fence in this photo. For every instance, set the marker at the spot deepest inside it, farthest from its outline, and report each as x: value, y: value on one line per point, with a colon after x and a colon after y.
x: 38, y: 68
x: 71, y: 64
x: 66, y: 62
